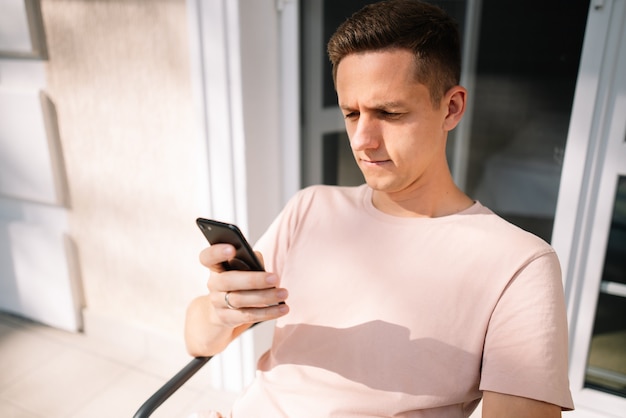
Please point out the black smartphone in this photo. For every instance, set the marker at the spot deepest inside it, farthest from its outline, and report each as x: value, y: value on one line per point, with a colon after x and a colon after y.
x: 224, y: 233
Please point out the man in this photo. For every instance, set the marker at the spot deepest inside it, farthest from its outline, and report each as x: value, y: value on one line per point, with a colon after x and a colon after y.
x: 406, y: 297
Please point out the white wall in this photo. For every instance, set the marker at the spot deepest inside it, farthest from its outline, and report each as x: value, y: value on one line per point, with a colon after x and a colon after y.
x: 167, y: 110
x: 119, y: 76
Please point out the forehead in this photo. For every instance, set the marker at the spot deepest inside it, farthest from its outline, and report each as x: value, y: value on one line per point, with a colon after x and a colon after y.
x: 385, y: 76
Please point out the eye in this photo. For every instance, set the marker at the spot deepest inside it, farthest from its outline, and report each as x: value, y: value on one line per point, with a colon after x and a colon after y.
x: 384, y: 114
x: 351, y: 115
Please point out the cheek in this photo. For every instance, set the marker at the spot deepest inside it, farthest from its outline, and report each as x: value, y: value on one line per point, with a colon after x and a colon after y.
x: 402, y: 145
x: 411, y: 152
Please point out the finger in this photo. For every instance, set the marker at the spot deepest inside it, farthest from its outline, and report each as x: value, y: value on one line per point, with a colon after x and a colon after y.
x: 236, y: 317
x: 254, y: 299
x: 213, y: 256
x: 235, y: 280
x: 260, y: 257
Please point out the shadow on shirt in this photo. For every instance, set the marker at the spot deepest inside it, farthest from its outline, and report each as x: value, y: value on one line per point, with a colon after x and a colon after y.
x: 380, y: 355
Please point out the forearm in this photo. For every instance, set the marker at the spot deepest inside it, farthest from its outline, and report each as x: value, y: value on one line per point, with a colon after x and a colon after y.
x: 497, y: 405
x: 204, y: 335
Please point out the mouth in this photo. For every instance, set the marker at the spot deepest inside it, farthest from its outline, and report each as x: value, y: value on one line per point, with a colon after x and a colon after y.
x: 375, y: 163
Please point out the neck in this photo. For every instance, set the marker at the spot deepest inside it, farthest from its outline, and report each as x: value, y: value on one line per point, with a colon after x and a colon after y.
x: 433, y: 201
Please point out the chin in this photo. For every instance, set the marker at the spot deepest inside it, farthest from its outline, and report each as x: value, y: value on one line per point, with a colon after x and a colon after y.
x: 379, y: 185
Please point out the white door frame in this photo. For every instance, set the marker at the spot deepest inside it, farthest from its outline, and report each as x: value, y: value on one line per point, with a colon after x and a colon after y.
x: 245, y: 74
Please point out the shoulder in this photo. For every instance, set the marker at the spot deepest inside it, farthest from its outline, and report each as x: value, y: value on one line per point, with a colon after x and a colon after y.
x: 501, y: 235
x: 328, y: 192
x: 316, y: 202
x: 326, y: 197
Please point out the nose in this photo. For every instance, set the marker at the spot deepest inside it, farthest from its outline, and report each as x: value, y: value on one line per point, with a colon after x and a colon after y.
x: 365, y: 134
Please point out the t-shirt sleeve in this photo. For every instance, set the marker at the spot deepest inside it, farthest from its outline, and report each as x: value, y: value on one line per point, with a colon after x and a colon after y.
x: 526, y: 346
x: 275, y: 242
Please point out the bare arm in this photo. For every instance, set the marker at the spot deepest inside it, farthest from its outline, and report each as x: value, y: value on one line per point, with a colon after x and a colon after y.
x: 210, y: 324
x: 499, y: 405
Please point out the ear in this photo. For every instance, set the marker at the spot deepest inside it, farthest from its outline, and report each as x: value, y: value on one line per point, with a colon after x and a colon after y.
x: 454, y: 102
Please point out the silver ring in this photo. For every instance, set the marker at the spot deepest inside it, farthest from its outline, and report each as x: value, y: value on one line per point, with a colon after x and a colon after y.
x: 228, y: 302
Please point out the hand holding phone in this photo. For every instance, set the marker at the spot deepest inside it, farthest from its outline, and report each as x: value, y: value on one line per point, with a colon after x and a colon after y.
x: 224, y: 233
x: 244, y: 260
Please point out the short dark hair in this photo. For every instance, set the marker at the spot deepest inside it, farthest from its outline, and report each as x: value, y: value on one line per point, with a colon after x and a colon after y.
x: 422, y: 28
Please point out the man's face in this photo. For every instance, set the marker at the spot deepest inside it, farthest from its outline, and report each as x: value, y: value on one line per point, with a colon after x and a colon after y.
x: 397, y: 136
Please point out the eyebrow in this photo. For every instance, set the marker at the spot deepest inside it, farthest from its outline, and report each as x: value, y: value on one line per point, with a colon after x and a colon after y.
x: 390, y: 105
x: 380, y: 106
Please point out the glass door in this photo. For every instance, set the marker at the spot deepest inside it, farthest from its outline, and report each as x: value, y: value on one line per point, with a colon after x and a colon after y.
x: 326, y: 155
x: 590, y: 229
x: 526, y: 65
x: 605, y: 369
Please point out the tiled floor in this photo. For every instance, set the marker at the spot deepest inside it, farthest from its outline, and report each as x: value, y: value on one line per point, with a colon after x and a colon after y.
x: 45, y: 372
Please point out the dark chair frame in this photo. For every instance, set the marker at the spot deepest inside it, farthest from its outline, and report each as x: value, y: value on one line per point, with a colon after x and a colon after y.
x: 171, y: 386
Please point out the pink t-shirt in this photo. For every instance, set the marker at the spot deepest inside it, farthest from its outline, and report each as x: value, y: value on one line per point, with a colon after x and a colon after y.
x: 406, y: 317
